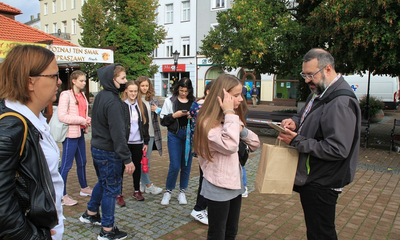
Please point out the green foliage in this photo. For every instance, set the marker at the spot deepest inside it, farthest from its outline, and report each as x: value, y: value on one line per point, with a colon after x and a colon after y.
x: 271, y: 36
x: 374, y: 105
x: 254, y: 35
x: 126, y: 26
x: 361, y: 35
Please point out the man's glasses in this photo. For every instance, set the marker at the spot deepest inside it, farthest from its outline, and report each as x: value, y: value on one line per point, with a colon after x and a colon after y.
x: 311, y: 77
x: 56, y: 76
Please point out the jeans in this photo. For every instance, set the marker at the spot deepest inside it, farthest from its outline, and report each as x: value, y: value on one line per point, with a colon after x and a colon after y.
x: 74, y: 148
x: 176, y: 149
x: 144, y: 178
x: 223, y: 218
x: 319, y: 206
x: 108, y: 167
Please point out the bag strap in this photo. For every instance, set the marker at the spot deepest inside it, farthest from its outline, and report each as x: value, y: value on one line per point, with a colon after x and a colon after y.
x: 25, y: 125
x: 333, y: 95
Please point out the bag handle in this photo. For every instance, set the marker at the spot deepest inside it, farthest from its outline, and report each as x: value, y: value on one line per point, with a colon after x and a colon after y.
x: 25, y: 125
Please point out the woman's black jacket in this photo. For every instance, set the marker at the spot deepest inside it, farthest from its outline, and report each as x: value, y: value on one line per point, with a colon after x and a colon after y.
x: 27, y: 195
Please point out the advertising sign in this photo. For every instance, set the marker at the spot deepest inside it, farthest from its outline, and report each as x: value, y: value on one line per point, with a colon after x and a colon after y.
x: 81, y: 54
x: 171, y: 68
x: 5, y: 46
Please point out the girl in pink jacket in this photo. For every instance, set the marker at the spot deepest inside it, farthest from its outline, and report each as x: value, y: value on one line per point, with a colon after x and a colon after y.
x: 73, y: 110
x: 221, y: 121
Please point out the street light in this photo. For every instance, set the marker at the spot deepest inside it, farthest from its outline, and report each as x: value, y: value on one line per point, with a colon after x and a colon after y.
x: 176, y: 56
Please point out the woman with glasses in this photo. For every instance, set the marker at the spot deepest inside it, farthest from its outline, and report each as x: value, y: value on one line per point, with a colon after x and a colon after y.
x: 31, y: 186
x: 73, y: 110
x: 174, y: 115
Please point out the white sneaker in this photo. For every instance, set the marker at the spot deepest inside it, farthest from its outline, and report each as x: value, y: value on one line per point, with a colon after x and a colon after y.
x: 153, y: 189
x: 142, y: 187
x: 182, y: 198
x: 166, y: 198
x: 246, y: 193
x: 200, y: 216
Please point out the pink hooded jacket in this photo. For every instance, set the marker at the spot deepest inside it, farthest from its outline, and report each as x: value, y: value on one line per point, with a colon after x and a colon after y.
x: 70, y: 114
x: 223, y: 142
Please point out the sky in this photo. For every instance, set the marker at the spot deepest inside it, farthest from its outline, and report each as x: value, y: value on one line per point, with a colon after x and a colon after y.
x: 27, y: 7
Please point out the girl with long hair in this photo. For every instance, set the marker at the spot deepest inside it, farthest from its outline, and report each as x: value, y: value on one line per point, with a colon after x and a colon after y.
x: 219, y: 127
x: 153, y: 106
x: 73, y: 110
x: 174, y: 115
x: 138, y: 135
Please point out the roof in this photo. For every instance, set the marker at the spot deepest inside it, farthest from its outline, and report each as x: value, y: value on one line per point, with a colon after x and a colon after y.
x: 8, y: 9
x: 12, y: 30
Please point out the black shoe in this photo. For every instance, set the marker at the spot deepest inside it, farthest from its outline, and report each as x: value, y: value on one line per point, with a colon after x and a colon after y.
x: 93, y: 219
x: 114, y: 234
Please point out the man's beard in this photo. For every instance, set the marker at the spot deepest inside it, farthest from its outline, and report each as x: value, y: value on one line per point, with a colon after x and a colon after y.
x: 320, y: 87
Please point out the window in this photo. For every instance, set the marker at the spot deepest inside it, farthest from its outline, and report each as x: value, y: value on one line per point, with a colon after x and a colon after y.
x: 73, y: 4
x: 63, y: 5
x: 186, y: 11
x: 46, y: 28
x: 55, y: 28
x: 46, y: 9
x: 73, y: 26
x: 169, y: 13
x: 218, y: 3
x: 54, y: 6
x: 155, y: 53
x: 168, y: 48
x: 185, y: 46
x: 64, y: 26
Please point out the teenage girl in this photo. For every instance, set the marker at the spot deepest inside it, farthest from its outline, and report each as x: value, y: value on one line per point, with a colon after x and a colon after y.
x: 138, y: 135
x: 153, y: 107
x: 73, y: 110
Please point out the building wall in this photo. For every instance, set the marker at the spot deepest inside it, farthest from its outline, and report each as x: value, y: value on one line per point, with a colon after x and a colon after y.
x: 179, y: 32
x: 63, y: 16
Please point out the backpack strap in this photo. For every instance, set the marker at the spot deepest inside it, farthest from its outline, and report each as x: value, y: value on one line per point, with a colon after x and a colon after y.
x: 25, y: 125
x: 333, y: 95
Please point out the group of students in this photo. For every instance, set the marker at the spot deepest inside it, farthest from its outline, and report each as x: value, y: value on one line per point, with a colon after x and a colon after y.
x: 123, y: 129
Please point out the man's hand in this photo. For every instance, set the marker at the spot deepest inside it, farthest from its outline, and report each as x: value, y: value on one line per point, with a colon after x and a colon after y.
x: 129, y: 168
x: 288, y: 123
x: 287, y: 136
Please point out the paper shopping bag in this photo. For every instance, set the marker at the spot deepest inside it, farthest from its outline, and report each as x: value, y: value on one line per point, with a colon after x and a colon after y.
x: 276, y: 169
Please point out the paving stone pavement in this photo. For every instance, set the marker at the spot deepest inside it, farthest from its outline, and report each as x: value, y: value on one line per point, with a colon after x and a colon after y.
x: 368, y: 208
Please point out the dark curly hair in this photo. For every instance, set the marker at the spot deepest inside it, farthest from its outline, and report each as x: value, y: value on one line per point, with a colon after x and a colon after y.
x: 186, y: 83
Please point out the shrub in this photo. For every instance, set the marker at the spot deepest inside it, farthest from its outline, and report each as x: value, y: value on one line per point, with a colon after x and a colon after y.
x: 374, y: 105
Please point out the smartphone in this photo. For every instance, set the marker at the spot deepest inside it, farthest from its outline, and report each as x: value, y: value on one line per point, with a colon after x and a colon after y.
x: 276, y: 127
x: 184, y: 111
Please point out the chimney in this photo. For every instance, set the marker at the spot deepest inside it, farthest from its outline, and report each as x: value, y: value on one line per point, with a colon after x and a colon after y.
x: 32, y: 17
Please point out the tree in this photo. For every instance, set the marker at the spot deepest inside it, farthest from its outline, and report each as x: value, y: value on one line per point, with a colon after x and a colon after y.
x: 254, y: 34
x: 361, y: 35
x: 129, y: 27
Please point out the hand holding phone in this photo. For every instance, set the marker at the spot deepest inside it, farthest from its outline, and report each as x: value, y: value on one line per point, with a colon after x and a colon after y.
x: 184, y: 111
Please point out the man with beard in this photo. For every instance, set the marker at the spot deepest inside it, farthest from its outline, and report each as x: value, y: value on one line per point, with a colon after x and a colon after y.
x: 326, y: 132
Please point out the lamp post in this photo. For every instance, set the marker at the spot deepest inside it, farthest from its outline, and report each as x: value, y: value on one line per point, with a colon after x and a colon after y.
x: 176, y: 56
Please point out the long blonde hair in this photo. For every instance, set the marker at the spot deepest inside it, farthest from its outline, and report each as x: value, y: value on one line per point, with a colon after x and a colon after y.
x: 124, y: 96
x: 211, y: 115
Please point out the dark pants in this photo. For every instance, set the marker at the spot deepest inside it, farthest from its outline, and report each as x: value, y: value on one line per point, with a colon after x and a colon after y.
x: 319, y: 206
x: 136, y: 151
x: 223, y: 218
x: 201, y: 202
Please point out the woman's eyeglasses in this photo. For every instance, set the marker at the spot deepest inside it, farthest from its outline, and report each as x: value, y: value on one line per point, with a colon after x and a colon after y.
x: 56, y: 76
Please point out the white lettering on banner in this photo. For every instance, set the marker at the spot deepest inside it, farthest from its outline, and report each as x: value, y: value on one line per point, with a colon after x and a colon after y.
x: 79, y: 54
